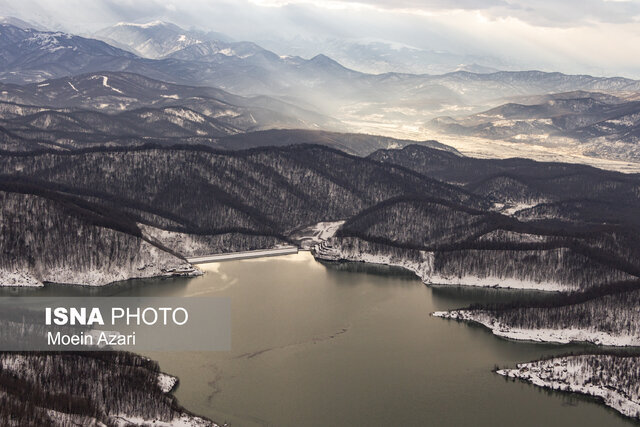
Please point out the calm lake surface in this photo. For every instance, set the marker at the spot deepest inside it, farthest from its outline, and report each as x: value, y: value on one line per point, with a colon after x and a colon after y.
x: 344, y: 345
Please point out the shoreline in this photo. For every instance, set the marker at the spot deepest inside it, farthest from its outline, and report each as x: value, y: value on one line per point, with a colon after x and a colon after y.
x: 423, y: 270
x: 547, y: 336
x: 29, y: 282
x: 19, y: 279
x: 560, y: 374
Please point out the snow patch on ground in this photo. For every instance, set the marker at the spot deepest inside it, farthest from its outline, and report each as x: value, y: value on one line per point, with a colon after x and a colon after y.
x: 181, y: 421
x: 496, y: 282
x: 62, y: 419
x: 18, y: 278
x: 187, y: 115
x: 166, y: 382
x: 105, y: 83
x: 315, y: 234
x: 224, y: 113
x: 502, y: 235
x: 559, y: 336
x: 14, y: 362
x: 510, y: 210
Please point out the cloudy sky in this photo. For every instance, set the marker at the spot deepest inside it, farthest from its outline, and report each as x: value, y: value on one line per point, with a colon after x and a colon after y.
x: 599, y: 37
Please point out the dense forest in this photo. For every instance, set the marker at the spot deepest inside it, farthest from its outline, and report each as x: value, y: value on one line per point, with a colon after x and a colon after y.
x: 196, y: 190
x: 48, y: 237
x: 469, y: 242
x: 115, y: 388
x: 615, y: 314
x: 606, y: 315
x: 519, y: 180
x: 189, y: 201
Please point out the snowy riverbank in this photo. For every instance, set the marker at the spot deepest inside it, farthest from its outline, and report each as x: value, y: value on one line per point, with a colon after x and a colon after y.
x: 94, y: 277
x: 150, y: 262
x: 166, y: 383
x: 559, y: 336
x: 593, y: 375
x: 128, y: 397
x: 423, y: 267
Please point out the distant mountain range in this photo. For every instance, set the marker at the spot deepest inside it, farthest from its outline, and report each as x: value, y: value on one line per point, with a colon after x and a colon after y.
x: 29, y: 55
x: 316, y: 93
x: 607, y: 125
x: 161, y: 39
x: 380, y: 56
x: 245, y: 68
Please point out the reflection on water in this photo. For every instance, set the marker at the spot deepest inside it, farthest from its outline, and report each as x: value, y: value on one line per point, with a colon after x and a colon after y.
x: 364, y: 268
x: 348, y: 344
x: 133, y: 288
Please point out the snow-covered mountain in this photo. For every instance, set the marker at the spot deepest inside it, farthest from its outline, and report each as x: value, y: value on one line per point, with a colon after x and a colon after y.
x: 155, y: 39
x: 246, y: 68
x: 159, y: 39
x: 29, y: 55
x: 219, y: 51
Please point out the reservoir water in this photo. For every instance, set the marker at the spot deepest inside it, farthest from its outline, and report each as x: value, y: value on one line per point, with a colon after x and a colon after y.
x: 348, y: 345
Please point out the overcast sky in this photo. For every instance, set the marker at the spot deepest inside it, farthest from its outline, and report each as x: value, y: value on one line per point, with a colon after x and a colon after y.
x: 575, y: 36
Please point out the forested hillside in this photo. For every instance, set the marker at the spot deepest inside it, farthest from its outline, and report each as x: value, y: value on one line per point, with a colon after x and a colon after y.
x: 512, y: 177
x: 561, y: 192
x: 50, y: 237
x: 194, y: 201
x: 604, y: 315
x: 113, y: 389
x: 269, y: 190
x: 486, y: 248
x: 216, y: 201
